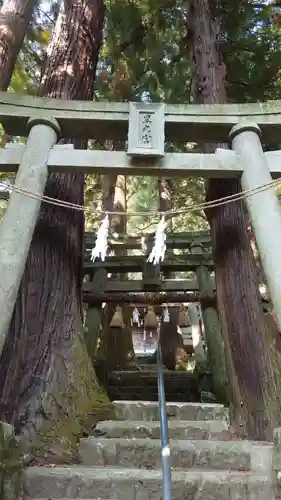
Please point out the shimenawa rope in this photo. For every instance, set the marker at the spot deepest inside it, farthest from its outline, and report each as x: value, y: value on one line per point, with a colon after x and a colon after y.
x: 174, y: 212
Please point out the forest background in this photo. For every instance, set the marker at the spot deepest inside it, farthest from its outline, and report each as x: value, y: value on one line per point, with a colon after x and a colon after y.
x: 152, y: 50
x: 145, y: 56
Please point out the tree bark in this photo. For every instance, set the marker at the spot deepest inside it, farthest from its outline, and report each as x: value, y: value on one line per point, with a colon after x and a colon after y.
x: 15, y: 16
x: 253, y: 363
x: 118, y: 343
x: 94, y: 337
x: 47, y: 382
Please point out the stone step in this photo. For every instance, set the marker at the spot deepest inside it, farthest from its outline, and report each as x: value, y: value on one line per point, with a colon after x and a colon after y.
x: 131, y: 484
x: 149, y: 394
x: 148, y: 366
x: 142, y: 386
x: 146, y: 453
x: 149, y: 410
x: 178, y: 429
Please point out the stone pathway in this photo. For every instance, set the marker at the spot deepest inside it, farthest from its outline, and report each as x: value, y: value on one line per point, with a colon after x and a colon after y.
x: 121, y: 461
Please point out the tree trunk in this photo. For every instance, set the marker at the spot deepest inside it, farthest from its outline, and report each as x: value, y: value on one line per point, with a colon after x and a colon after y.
x: 15, y: 17
x: 118, y: 343
x: 253, y: 363
x: 95, y: 318
x: 47, y: 382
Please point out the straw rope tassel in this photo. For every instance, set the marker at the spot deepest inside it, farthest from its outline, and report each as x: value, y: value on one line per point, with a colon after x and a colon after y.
x: 136, y: 317
x: 101, y: 245
x: 183, y: 319
x: 150, y: 319
x: 166, y: 316
x: 117, y: 319
x: 157, y: 254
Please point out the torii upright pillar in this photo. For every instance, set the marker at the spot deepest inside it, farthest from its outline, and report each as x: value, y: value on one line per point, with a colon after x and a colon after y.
x: 264, y: 207
x: 19, y: 221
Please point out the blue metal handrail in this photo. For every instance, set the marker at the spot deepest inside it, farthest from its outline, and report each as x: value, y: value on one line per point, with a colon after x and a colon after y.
x: 165, y: 447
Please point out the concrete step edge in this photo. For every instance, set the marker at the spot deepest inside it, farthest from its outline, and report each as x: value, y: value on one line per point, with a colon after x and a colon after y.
x: 102, y: 473
x: 137, y: 484
x: 149, y: 410
x: 124, y: 402
x: 156, y: 423
x: 245, y: 445
x: 182, y: 429
x: 124, y: 452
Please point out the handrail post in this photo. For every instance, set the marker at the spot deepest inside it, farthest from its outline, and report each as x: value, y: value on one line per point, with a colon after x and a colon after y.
x: 212, y: 328
x: 165, y: 446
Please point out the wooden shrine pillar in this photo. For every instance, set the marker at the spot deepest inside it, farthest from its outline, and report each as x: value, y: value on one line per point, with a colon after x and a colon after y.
x: 213, y: 333
x: 19, y: 221
x: 264, y: 207
x: 93, y: 321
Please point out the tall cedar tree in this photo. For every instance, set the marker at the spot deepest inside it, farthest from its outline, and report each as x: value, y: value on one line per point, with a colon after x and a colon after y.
x: 253, y: 364
x: 15, y: 17
x: 46, y: 378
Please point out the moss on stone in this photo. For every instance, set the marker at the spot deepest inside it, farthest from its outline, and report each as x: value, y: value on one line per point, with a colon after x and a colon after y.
x: 83, y: 403
x: 11, y: 466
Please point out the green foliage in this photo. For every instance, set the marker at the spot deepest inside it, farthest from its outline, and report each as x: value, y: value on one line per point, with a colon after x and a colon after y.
x: 145, y: 54
x: 252, y: 54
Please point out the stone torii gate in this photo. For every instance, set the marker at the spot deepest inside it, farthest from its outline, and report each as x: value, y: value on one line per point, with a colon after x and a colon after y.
x: 146, y: 126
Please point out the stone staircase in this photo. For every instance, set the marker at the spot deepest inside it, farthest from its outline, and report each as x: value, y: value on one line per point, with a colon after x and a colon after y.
x: 122, y: 460
x: 143, y: 386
